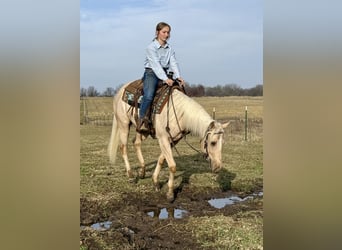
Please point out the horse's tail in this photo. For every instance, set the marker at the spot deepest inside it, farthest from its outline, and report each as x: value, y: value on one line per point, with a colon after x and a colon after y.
x: 114, y: 140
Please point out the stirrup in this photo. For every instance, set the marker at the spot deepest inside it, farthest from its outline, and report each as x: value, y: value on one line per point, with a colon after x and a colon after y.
x: 141, y: 126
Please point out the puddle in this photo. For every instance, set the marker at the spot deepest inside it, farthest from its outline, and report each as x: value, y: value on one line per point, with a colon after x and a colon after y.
x: 164, y: 213
x: 220, y: 203
x: 100, y: 226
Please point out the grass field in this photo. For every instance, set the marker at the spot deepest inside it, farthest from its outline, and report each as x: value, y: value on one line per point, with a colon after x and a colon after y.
x: 106, y: 193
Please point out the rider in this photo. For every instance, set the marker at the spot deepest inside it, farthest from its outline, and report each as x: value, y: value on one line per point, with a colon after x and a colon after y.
x: 160, y: 57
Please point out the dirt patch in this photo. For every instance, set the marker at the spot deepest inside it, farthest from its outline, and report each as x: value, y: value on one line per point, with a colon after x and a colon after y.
x: 132, y: 227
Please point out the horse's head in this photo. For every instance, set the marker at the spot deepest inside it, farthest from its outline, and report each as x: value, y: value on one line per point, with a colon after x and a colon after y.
x: 211, y: 144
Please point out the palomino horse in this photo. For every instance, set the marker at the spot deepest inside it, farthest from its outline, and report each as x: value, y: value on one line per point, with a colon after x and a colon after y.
x: 182, y: 115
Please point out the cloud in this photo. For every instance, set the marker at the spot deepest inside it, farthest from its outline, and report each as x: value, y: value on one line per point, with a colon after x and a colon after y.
x: 215, y: 41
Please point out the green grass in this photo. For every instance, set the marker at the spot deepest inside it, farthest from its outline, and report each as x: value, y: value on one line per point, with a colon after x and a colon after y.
x: 242, y: 159
x: 242, y: 171
x: 232, y: 106
x: 242, y: 231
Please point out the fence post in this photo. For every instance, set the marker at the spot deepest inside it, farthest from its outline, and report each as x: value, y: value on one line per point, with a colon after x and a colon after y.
x: 85, y: 112
x: 246, y: 123
x: 214, y: 113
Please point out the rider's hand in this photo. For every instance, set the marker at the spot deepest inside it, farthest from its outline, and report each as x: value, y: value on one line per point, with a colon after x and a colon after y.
x: 181, y: 81
x: 169, y: 82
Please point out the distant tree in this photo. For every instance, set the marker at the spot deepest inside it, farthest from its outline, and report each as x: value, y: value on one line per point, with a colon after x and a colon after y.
x: 108, y: 92
x: 83, y: 92
x: 256, y: 91
x: 232, y: 90
x: 194, y: 90
x: 116, y: 90
x: 200, y: 90
x: 91, y: 91
x: 214, y: 91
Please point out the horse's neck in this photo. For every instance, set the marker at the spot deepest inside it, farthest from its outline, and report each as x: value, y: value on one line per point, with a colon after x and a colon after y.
x: 199, y: 124
x: 196, y: 119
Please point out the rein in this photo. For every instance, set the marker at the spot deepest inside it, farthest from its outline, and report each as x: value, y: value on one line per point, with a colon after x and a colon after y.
x: 173, y: 142
x: 183, y: 133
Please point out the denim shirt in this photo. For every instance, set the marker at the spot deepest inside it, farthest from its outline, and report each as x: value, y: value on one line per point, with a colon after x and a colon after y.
x: 159, y: 57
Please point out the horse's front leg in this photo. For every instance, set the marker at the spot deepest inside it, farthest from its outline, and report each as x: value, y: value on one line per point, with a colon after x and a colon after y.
x: 157, y: 171
x: 167, y: 152
x: 137, y: 144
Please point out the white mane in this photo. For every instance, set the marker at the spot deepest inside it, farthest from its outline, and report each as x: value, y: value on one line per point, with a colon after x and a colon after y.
x: 195, y: 118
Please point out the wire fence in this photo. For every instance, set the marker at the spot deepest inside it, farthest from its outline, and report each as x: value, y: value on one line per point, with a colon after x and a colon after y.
x: 90, y: 115
x: 97, y: 119
x: 239, y: 128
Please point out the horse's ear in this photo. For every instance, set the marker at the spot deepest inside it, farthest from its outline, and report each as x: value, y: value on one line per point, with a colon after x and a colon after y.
x: 211, y: 125
x: 224, y: 125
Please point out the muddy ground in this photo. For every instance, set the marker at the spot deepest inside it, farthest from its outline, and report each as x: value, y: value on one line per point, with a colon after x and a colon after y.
x: 133, y: 228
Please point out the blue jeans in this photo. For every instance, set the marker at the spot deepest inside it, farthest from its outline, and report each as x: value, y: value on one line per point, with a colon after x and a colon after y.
x: 150, y: 83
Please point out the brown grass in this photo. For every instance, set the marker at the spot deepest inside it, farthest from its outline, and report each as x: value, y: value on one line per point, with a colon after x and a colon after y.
x: 243, y: 164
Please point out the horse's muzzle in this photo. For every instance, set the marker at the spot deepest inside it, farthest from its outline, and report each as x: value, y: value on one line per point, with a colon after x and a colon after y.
x: 215, y: 166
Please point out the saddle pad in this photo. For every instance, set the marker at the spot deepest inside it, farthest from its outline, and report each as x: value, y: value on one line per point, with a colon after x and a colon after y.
x: 134, y: 86
x: 133, y: 95
x: 133, y: 92
x: 162, y: 97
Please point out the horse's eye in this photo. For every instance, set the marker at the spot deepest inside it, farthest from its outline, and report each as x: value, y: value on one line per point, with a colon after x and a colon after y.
x: 213, y: 143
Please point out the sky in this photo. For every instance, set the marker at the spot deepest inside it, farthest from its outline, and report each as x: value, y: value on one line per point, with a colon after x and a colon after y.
x: 217, y: 42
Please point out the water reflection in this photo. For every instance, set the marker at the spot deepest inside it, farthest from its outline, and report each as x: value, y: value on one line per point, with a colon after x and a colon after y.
x: 164, y: 213
x: 100, y: 226
x: 222, y: 202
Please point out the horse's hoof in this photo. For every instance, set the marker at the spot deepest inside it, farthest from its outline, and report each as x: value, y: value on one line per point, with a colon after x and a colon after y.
x: 130, y: 174
x: 170, y: 197
x: 157, y: 186
x: 132, y: 180
x: 142, y: 174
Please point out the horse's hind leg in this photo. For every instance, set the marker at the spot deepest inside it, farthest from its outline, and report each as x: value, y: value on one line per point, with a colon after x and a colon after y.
x: 137, y: 144
x: 123, y: 147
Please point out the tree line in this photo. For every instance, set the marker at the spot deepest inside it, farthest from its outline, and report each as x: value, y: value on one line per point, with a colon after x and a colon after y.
x: 195, y: 90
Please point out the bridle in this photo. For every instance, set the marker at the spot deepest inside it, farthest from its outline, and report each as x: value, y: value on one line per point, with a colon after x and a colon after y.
x: 184, y: 133
x: 205, y: 143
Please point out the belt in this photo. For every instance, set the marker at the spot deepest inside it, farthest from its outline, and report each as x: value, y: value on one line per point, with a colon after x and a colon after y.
x: 165, y: 69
